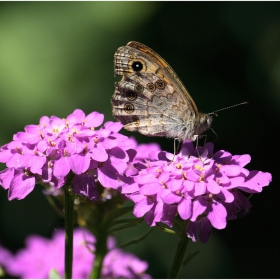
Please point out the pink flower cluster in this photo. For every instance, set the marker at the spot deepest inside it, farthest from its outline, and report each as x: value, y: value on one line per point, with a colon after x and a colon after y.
x: 48, y: 152
x: 206, y: 189
x: 41, y: 255
x: 200, y: 186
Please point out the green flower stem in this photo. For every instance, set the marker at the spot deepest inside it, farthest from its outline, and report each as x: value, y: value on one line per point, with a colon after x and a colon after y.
x: 100, y: 252
x: 179, y: 255
x: 69, y: 228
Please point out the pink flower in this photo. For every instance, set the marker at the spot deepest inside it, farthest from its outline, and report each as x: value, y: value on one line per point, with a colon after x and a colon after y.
x: 206, y: 190
x: 139, y: 154
x: 41, y: 255
x: 48, y: 152
x: 118, y: 264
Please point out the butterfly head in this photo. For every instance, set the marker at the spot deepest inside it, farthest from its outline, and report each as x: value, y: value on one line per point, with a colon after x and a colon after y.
x: 204, y: 123
x: 194, y: 128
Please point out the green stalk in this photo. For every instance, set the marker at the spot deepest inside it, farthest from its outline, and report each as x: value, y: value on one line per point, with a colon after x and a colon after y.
x: 69, y: 228
x: 179, y: 255
x: 100, y: 252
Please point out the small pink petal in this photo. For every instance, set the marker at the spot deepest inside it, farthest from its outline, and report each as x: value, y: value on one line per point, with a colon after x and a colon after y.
x: 61, y: 167
x: 199, y: 206
x: 79, y: 163
x: 213, y: 187
x: 185, y: 209
x: 171, y: 198
x: 217, y: 215
x: 199, y: 188
x: 130, y: 188
x: 94, y: 119
x: 6, y: 177
x: 241, y: 160
x: 142, y: 207
x: 98, y: 154
x: 21, y: 186
x: 150, y: 188
x: 205, y: 230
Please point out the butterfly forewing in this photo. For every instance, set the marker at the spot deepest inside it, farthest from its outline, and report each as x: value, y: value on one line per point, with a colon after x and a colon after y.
x: 150, y: 98
x: 167, y: 71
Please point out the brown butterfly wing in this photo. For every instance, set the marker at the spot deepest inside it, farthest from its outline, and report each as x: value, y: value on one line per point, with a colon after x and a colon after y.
x: 150, y: 98
x: 145, y: 103
x: 156, y: 64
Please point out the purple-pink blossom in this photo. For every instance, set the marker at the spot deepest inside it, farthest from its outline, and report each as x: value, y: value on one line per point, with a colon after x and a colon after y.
x: 48, y: 152
x: 139, y: 154
x: 200, y: 186
x: 41, y: 255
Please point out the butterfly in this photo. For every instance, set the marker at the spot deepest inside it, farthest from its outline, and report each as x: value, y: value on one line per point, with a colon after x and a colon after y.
x: 151, y: 99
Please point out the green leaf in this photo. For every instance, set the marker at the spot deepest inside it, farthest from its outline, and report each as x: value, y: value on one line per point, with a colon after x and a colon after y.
x: 189, y: 257
x: 136, y: 240
x: 167, y: 230
x: 2, y: 272
x: 53, y: 274
x: 127, y: 223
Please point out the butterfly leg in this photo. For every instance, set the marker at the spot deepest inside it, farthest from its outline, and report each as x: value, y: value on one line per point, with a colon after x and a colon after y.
x: 176, y: 148
x: 205, y: 139
x: 215, y: 134
x: 196, y: 145
x: 196, y: 140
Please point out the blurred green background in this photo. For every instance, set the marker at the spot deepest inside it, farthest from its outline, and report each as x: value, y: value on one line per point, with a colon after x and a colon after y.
x: 58, y: 56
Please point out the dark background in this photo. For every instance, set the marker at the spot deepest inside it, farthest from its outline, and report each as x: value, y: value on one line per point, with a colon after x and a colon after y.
x: 58, y: 56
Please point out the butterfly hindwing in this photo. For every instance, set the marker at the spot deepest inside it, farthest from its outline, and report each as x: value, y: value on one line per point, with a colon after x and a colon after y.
x: 151, y: 99
x: 147, y: 104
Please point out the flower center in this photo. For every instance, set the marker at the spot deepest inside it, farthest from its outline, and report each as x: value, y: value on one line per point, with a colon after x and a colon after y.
x: 197, y: 167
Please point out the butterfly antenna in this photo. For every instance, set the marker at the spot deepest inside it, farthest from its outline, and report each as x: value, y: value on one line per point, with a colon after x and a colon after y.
x: 214, y: 113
